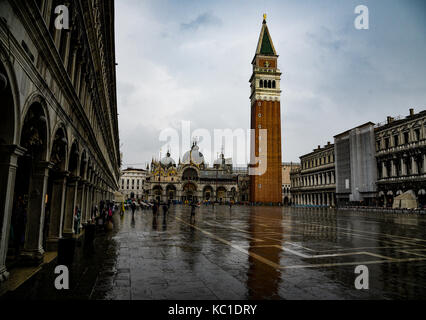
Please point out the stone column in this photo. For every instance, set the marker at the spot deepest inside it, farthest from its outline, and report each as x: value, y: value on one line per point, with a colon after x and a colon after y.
x: 92, y: 199
x: 393, y: 169
x: 87, y: 206
x: 90, y: 203
x: 33, y: 252
x: 424, y: 163
x: 67, y: 50
x: 97, y: 197
x: 414, y: 169
x: 57, y: 211
x: 82, y: 202
x: 70, y: 203
x: 77, y: 83
x: 384, y: 171
x: 8, y: 165
x: 403, y: 167
x: 73, y: 61
x: 47, y: 13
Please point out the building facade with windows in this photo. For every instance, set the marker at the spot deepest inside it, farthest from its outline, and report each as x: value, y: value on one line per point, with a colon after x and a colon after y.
x: 286, y: 186
x: 401, y: 158
x: 133, y: 183
x: 59, y: 145
x: 314, y: 183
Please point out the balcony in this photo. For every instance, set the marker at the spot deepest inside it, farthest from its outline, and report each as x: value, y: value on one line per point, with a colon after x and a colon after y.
x: 401, y: 148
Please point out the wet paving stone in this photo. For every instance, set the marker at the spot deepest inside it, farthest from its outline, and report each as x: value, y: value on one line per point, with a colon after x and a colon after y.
x: 249, y: 253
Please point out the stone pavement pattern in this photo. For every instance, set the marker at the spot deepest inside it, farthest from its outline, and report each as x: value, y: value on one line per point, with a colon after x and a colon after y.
x: 253, y: 253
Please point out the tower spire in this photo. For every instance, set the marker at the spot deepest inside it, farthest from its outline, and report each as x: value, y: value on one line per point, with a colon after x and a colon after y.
x: 265, y: 46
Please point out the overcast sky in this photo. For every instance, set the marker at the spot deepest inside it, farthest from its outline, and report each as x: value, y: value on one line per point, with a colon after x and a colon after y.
x: 191, y: 60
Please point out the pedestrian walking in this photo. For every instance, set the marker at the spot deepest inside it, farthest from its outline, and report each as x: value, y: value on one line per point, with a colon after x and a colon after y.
x: 122, y: 209
x: 165, y: 209
x: 193, y: 206
x: 77, y: 218
x: 133, y: 207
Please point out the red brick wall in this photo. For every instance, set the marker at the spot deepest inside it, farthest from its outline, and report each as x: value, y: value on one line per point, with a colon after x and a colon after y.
x: 271, y: 181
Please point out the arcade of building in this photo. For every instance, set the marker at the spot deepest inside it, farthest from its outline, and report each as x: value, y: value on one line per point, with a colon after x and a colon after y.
x: 59, y: 129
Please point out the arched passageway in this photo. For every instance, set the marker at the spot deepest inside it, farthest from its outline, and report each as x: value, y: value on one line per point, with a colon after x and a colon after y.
x: 31, y: 193
x: 10, y: 151
x: 189, y: 192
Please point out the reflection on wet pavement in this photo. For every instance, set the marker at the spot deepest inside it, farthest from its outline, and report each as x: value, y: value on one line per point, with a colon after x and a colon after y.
x: 262, y: 253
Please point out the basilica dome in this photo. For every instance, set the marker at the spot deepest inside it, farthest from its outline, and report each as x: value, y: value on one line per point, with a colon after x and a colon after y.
x: 193, y: 156
x: 167, y: 161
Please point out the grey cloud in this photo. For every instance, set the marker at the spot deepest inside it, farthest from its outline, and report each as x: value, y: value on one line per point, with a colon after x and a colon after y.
x: 334, y: 77
x: 325, y: 38
x: 205, y: 19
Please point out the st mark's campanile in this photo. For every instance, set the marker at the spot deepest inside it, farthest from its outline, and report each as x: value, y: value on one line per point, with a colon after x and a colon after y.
x: 266, y: 114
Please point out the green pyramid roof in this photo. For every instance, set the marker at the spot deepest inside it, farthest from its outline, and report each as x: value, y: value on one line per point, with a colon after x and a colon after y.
x: 266, y: 47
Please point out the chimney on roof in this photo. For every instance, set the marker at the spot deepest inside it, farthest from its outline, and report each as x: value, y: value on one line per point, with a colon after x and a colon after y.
x: 390, y: 120
x: 411, y: 112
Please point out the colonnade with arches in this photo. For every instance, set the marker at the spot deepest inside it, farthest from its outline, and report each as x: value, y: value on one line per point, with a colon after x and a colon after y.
x: 59, y: 148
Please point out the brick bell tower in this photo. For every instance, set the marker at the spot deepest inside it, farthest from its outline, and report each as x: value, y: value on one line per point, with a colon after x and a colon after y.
x: 266, y: 114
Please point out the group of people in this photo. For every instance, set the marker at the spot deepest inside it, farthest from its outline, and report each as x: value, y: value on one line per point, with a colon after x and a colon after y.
x: 157, y: 207
x: 103, y: 215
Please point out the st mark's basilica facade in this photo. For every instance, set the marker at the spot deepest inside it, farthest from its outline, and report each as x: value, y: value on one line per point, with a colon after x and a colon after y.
x: 192, y: 179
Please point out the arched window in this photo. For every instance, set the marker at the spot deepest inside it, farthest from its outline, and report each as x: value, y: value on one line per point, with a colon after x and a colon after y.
x: 261, y: 83
x: 269, y: 84
x: 274, y: 85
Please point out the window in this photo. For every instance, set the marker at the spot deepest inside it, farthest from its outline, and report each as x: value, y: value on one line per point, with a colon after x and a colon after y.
x: 417, y: 134
x: 261, y: 83
x: 395, y: 140
x: 386, y: 143
x: 406, y: 137
x: 274, y: 84
x: 378, y: 145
